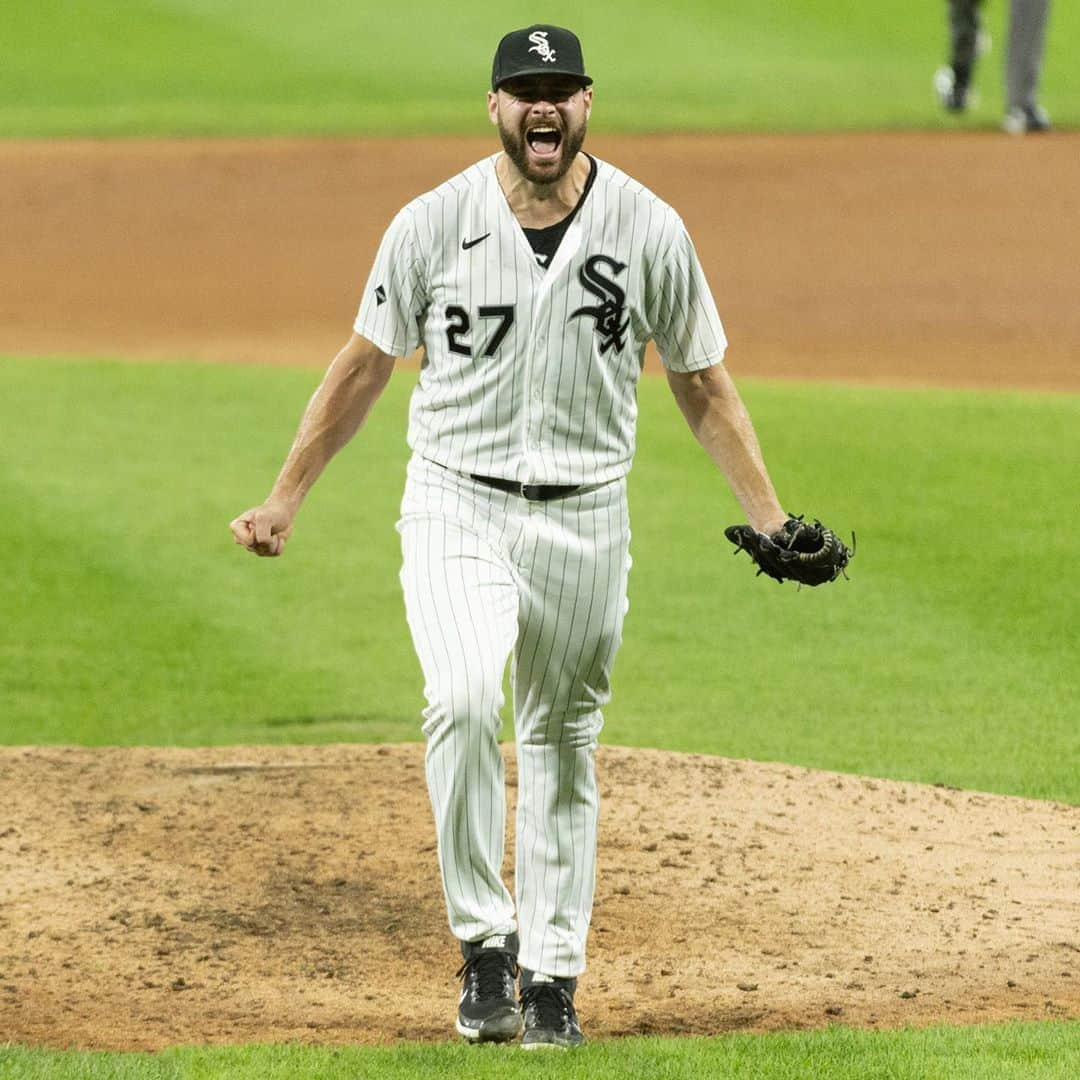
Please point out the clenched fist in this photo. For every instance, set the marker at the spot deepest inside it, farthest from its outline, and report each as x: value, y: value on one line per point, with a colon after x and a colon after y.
x: 264, y: 529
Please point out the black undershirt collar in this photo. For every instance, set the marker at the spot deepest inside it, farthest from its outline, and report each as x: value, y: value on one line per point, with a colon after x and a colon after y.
x: 545, y: 242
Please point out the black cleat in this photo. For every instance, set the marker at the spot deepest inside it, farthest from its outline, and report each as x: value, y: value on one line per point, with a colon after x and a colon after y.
x: 550, y: 1020
x: 488, y: 1010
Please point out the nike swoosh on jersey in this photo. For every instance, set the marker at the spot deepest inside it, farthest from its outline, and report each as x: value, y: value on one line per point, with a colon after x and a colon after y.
x: 466, y: 244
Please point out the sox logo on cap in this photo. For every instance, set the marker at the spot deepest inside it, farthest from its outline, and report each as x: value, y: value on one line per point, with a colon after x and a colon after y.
x: 541, y: 45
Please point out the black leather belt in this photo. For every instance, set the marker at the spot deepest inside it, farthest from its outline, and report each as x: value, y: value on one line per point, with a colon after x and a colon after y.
x: 532, y: 492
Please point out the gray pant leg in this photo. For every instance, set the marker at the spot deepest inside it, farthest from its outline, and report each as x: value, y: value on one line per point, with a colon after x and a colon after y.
x: 963, y: 37
x: 1027, y: 38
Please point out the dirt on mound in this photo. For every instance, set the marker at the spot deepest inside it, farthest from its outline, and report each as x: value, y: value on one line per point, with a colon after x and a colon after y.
x: 153, y: 897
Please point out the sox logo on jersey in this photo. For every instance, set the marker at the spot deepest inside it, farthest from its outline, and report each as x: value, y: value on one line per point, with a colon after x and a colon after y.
x: 609, y: 313
x: 529, y: 374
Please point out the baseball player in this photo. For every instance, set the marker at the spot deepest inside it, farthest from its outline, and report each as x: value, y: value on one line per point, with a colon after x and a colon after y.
x: 1023, y: 63
x: 533, y: 281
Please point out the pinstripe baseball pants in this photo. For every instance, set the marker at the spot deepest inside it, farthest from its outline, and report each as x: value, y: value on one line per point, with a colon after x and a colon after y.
x: 487, y: 577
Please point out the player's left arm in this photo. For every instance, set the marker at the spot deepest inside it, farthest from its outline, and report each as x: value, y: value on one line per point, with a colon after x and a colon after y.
x: 719, y: 420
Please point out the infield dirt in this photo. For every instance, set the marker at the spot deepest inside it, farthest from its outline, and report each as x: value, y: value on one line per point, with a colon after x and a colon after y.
x: 152, y: 896
x: 947, y: 259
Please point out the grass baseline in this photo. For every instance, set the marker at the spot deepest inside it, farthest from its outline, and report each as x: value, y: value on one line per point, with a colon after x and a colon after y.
x: 1014, y: 1051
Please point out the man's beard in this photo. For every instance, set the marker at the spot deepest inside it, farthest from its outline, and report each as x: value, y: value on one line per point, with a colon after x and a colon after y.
x: 517, y: 151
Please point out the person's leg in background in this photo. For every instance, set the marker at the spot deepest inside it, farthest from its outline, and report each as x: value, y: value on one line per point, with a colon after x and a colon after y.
x: 1023, y: 67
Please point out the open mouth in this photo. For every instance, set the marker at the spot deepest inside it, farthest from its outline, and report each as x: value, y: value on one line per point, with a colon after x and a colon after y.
x: 544, y: 140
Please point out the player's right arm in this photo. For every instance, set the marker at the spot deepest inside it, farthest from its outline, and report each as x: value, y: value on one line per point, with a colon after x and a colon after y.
x: 351, y: 386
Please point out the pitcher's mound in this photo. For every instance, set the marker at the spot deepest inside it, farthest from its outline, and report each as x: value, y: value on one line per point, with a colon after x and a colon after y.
x: 150, y: 897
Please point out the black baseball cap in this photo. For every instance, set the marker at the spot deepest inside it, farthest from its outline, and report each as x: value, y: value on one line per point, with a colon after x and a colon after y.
x: 538, y: 50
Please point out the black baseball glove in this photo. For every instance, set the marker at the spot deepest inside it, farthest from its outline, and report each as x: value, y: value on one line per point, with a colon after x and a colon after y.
x: 808, y: 554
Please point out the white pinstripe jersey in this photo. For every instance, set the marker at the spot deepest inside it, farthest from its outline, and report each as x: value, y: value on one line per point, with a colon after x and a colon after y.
x: 530, y: 374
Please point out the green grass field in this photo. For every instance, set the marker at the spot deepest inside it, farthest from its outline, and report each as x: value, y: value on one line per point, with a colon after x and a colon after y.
x: 133, y: 67
x: 132, y: 619
x: 1049, y: 1051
